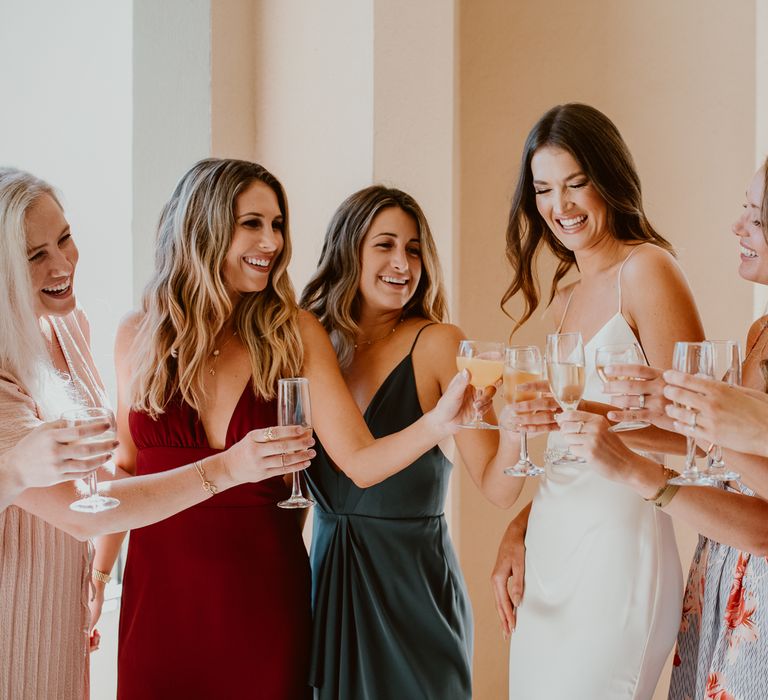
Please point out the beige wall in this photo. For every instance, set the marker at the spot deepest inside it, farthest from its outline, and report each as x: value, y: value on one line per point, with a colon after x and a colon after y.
x: 679, y: 81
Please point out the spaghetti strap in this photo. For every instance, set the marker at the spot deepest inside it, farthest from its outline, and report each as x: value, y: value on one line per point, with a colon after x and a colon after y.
x: 565, y: 310
x: 621, y: 267
x: 421, y: 330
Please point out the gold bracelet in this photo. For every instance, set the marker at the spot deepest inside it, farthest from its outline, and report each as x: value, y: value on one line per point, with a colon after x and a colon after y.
x: 100, y: 576
x: 207, y: 485
x: 666, y: 491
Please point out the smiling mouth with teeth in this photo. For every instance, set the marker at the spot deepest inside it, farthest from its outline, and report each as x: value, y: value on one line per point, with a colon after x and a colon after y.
x: 572, y: 222
x: 746, y: 252
x: 58, y: 290
x: 258, y: 262
x: 394, y: 280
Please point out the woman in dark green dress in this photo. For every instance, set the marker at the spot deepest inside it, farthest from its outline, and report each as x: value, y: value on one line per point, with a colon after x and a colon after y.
x: 392, y: 617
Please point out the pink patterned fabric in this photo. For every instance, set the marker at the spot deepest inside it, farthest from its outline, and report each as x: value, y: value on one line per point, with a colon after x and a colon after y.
x: 44, y: 572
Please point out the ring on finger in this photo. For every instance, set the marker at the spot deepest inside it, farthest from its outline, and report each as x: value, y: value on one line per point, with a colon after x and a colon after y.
x: 269, y: 435
x: 282, y: 460
x: 581, y: 426
x: 642, y: 401
x: 693, y: 420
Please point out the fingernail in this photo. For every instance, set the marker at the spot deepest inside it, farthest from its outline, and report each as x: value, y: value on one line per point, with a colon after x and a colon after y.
x: 465, y: 374
x: 312, y: 453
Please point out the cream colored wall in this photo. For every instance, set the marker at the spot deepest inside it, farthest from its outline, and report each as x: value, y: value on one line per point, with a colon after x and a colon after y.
x: 679, y: 81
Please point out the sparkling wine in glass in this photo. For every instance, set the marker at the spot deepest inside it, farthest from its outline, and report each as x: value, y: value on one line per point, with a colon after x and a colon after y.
x: 485, y: 362
x: 726, y: 367
x: 567, y: 374
x: 293, y: 409
x: 93, y: 502
x: 522, y: 364
x: 692, y: 358
x: 620, y: 354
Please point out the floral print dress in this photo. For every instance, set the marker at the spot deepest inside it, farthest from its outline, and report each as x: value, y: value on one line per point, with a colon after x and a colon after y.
x: 722, y: 647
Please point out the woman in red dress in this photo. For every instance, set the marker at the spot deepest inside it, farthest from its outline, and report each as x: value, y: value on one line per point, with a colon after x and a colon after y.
x: 216, y: 600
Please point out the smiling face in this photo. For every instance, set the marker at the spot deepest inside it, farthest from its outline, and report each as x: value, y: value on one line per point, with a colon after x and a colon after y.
x: 751, y: 230
x: 52, y: 256
x: 390, y: 260
x: 566, y: 199
x: 256, y: 242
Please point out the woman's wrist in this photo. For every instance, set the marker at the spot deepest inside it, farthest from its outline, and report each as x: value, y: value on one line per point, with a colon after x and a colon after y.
x: 646, y: 477
x: 11, y: 481
x: 216, y: 472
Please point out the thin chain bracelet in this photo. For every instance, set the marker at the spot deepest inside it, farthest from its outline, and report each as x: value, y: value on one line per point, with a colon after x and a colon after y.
x: 207, y: 485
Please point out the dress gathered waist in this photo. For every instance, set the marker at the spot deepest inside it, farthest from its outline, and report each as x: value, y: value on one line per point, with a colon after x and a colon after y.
x: 409, y: 518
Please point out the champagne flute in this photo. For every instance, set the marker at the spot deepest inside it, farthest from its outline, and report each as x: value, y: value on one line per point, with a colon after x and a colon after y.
x: 692, y: 358
x: 293, y: 409
x: 522, y: 364
x: 566, y: 371
x: 620, y: 354
x: 93, y: 502
x: 726, y: 367
x: 485, y: 362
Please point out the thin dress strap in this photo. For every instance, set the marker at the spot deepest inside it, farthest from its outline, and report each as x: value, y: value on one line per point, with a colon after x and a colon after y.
x: 565, y: 310
x: 621, y: 267
x: 421, y: 330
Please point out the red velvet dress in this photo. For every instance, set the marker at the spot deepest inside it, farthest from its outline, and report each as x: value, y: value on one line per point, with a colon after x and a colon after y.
x: 216, y: 599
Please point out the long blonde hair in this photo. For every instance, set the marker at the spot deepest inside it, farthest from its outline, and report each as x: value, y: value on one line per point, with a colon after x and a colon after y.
x: 23, y: 352
x: 332, y: 293
x: 185, y: 305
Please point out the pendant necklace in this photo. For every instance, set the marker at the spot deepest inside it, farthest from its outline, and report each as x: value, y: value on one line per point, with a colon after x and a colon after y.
x: 383, y: 337
x: 215, y: 355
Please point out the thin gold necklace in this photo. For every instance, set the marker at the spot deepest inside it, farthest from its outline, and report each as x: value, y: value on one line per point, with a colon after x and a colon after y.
x: 215, y: 355
x: 383, y: 337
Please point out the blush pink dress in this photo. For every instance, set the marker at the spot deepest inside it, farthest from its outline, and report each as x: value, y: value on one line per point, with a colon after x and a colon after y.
x: 44, y: 572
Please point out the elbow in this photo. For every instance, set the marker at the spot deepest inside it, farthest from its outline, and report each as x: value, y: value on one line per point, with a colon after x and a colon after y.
x: 760, y: 546
x: 83, y: 529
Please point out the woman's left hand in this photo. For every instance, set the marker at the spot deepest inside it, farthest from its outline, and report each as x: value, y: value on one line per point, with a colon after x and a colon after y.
x: 588, y: 437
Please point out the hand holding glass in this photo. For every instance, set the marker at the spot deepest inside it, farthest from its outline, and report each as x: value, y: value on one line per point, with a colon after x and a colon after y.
x: 620, y: 354
x: 692, y: 358
x: 485, y: 362
x: 522, y: 364
x: 726, y: 367
x: 293, y: 409
x: 92, y: 502
x: 566, y: 371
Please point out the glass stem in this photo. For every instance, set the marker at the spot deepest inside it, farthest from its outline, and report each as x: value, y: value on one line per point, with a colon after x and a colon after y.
x: 478, y: 415
x: 524, y: 446
x: 296, y: 489
x: 93, y: 484
x: 690, y: 455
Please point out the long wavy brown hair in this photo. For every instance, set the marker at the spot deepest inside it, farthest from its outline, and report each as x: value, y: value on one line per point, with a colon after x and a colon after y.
x: 596, y: 144
x: 332, y: 293
x: 185, y: 305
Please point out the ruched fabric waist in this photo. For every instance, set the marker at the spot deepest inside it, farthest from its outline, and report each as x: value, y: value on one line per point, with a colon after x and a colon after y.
x: 332, y: 515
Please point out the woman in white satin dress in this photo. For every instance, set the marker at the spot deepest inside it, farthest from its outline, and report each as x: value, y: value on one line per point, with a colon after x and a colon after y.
x: 603, y: 584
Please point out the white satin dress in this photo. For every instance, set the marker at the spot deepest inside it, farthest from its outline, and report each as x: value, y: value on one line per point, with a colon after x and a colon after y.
x: 603, y: 581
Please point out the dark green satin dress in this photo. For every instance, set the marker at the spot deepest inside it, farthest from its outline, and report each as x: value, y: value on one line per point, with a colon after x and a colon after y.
x: 392, y: 619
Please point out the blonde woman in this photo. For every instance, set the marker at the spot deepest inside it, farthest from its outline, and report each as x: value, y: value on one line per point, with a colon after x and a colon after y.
x: 389, y: 598
x: 216, y: 599
x: 46, y: 367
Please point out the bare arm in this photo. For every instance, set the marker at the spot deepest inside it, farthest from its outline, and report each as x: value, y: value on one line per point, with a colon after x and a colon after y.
x: 148, y: 499
x: 485, y: 453
x: 733, y: 519
x: 340, y: 426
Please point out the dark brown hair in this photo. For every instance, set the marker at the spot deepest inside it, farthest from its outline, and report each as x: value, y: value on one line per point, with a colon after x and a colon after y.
x: 332, y: 293
x: 596, y: 144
